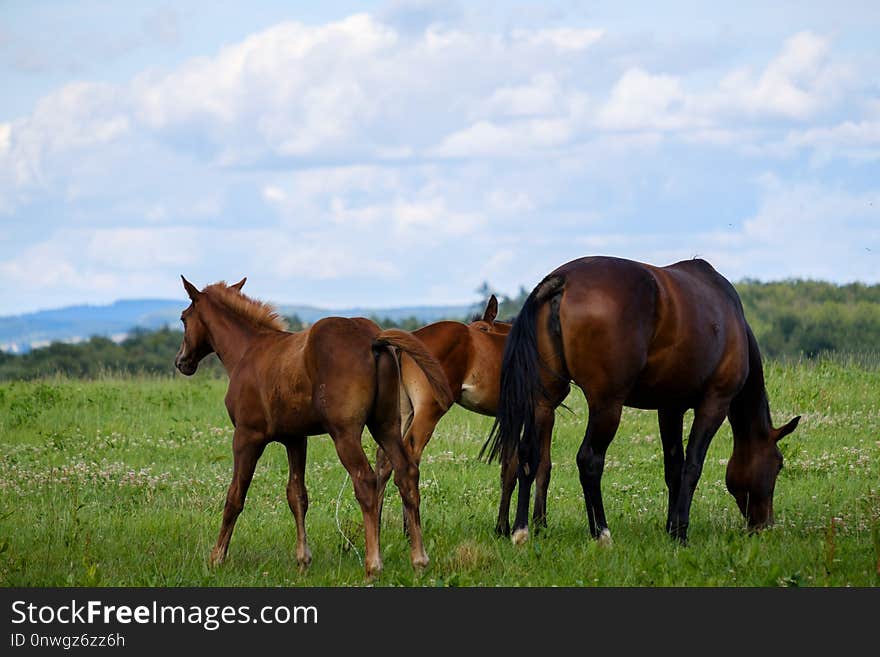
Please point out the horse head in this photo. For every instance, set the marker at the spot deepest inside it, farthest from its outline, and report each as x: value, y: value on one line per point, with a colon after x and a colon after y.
x: 752, y: 471
x: 196, y: 342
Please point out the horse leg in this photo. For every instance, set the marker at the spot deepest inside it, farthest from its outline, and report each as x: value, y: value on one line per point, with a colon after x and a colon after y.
x: 298, y: 497
x: 673, y: 456
x: 419, y: 434
x: 363, y: 478
x: 383, y: 463
x: 384, y: 425
x: 601, y: 427
x: 708, y: 417
x: 383, y: 474
x: 509, y: 465
x: 247, y: 448
x: 406, y: 478
x: 525, y: 476
x: 542, y: 477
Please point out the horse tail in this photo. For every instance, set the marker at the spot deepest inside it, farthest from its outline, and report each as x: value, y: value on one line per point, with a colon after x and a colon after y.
x: 413, y: 347
x: 521, y: 385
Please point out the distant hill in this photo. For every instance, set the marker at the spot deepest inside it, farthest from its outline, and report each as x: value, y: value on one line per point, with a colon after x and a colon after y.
x: 21, y: 333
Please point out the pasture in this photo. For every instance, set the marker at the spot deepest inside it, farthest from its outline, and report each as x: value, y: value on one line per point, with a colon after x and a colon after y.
x: 121, y: 481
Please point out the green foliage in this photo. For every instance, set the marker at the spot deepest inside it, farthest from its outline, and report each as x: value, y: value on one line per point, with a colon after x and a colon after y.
x: 142, y: 352
x: 791, y: 319
x: 808, y: 318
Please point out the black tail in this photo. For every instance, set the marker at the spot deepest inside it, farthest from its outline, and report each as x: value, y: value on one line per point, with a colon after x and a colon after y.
x: 521, y: 386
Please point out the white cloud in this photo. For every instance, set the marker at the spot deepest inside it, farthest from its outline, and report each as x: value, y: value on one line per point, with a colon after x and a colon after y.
x: 643, y: 101
x: 856, y: 140
x: 542, y: 95
x: 815, y: 231
x: 288, y: 90
x: 274, y: 194
x: 796, y: 84
x: 428, y: 221
x: 335, y: 152
x: 139, y: 249
x: 798, y: 231
x: 514, y: 139
x: 562, y: 38
x: 66, y: 129
x: 327, y: 262
x: 509, y: 201
x: 5, y: 133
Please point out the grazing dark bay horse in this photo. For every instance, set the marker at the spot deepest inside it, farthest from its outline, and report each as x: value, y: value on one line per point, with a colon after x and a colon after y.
x: 470, y: 355
x: 336, y: 377
x: 630, y: 334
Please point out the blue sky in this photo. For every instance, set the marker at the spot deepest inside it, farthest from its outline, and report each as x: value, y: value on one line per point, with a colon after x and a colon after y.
x: 398, y: 153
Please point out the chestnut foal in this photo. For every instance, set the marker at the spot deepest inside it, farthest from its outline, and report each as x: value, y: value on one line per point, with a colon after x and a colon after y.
x: 335, y: 377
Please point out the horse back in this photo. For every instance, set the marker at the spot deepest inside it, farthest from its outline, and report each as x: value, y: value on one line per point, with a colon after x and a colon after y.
x: 700, y: 344
x: 307, y: 382
x: 653, y: 336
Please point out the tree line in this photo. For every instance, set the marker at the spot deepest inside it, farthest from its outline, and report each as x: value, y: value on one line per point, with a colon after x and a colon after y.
x: 791, y: 319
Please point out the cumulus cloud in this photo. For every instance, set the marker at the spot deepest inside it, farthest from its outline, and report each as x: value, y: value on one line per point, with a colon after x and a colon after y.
x: 518, y: 138
x: 642, y: 101
x: 798, y: 231
x: 561, y: 38
x: 855, y: 140
x: 357, y: 90
x: 800, y: 81
x: 369, y: 148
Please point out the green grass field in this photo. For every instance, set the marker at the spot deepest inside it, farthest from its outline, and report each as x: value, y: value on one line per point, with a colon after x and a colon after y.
x: 121, y: 482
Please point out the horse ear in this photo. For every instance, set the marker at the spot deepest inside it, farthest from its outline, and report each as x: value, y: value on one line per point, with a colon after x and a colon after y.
x: 239, y: 285
x: 784, y: 430
x: 190, y: 289
x: 491, y: 311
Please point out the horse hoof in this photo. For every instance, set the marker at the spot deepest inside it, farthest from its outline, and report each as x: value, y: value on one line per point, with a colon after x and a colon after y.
x: 604, y: 538
x: 520, y: 536
x: 216, y: 559
x: 420, y: 563
x: 373, y: 569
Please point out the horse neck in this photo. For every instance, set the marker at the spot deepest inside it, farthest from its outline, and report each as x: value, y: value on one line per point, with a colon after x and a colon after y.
x: 230, y: 335
x: 750, y: 410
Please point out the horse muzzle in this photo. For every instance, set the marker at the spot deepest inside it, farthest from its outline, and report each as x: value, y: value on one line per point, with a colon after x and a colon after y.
x: 185, y: 366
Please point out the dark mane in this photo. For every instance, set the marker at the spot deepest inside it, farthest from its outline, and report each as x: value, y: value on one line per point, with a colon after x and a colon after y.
x: 749, y: 412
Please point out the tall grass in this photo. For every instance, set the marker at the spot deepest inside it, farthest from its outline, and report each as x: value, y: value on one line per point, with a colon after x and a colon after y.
x: 120, y: 481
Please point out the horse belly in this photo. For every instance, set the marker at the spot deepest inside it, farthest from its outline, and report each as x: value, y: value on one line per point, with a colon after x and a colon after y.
x: 675, y: 377
x: 474, y: 399
x: 662, y: 394
x: 478, y: 398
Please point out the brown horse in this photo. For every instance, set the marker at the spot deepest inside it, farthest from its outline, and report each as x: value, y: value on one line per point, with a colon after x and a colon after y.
x: 470, y: 355
x: 335, y: 377
x: 630, y: 334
